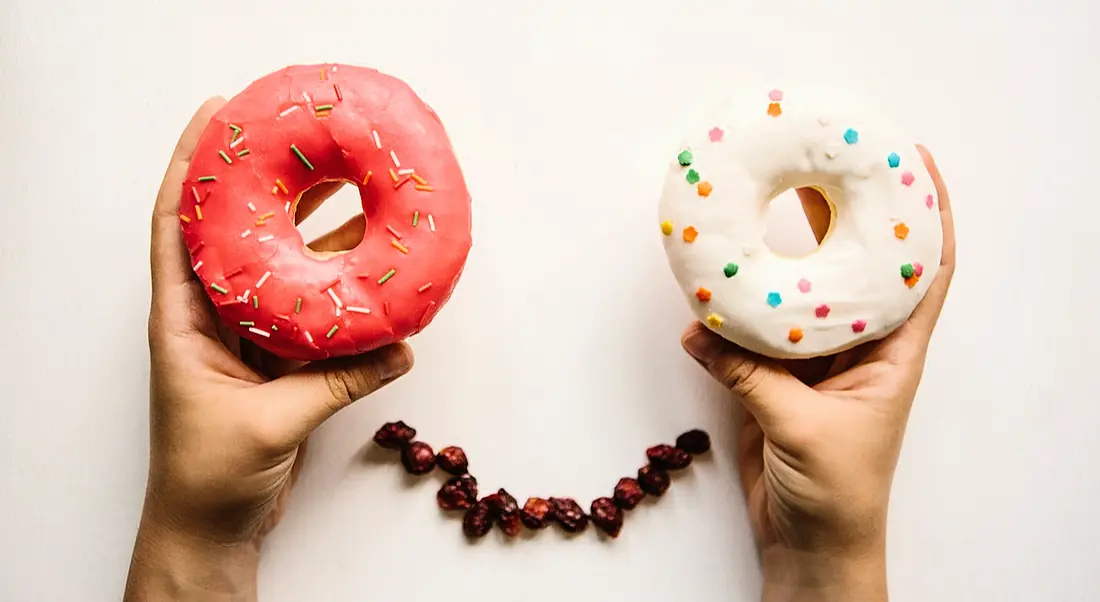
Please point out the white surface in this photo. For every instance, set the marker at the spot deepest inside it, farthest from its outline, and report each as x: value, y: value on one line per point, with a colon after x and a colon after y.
x: 856, y: 275
x: 567, y: 321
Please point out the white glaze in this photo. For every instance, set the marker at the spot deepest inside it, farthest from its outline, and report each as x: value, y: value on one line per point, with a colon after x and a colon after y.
x: 856, y: 271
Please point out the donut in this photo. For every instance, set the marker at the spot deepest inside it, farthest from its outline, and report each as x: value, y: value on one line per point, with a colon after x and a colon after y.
x: 285, y: 133
x: 876, y: 261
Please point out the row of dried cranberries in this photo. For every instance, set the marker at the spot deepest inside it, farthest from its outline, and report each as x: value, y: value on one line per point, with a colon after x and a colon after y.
x: 460, y: 491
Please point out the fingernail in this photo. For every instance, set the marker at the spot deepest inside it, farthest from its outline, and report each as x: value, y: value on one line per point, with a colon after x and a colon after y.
x: 398, y: 361
x: 702, y: 345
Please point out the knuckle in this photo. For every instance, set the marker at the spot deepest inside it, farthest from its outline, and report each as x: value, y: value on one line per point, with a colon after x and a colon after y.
x: 345, y: 385
x: 741, y: 375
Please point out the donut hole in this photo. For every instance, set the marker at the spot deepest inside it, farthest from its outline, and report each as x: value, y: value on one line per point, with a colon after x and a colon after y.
x: 329, y: 216
x: 796, y: 225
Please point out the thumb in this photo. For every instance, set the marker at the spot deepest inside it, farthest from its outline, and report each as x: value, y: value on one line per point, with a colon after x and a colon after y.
x: 768, y: 390
x: 304, y: 399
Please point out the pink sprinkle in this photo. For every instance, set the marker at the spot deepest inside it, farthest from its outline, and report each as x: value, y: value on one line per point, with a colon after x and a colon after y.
x: 918, y: 269
x: 716, y: 134
x: 859, y: 326
x: 928, y: 201
x: 822, y: 311
x: 386, y: 307
x: 775, y: 95
x: 804, y: 285
x: 907, y: 178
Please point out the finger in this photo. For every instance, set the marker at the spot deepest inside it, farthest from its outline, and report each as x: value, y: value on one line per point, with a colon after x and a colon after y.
x: 345, y: 237
x: 169, y: 261
x: 301, y: 401
x: 750, y: 451
x: 768, y: 391
x: 927, y: 313
x: 817, y: 210
x: 312, y: 199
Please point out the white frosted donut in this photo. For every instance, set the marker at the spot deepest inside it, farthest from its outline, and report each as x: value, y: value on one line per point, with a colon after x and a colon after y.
x: 875, y: 263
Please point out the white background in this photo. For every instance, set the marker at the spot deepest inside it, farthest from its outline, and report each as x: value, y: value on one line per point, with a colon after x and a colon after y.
x: 558, y: 360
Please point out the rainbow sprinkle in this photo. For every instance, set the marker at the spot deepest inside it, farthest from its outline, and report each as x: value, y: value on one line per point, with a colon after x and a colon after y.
x: 388, y: 275
x: 893, y: 160
x: 301, y: 157
x: 730, y: 270
x: 684, y: 158
x: 851, y: 136
x: 774, y: 299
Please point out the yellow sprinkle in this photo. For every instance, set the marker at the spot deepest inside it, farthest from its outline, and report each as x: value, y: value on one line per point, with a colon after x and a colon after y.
x: 399, y: 247
x: 424, y: 188
x: 185, y: 219
x: 666, y: 228
x: 366, y: 178
x: 418, y: 179
x: 715, y: 321
x: 281, y: 186
x: 393, y: 175
x: 198, y: 212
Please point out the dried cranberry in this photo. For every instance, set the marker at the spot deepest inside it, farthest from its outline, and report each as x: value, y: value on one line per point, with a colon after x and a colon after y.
x: 569, y: 514
x: 418, y: 458
x: 458, y: 493
x: 607, y: 516
x: 507, y: 513
x: 394, y: 435
x: 478, y: 520
x: 694, y: 442
x: 628, y: 493
x: 668, y: 457
x: 536, y: 513
x: 653, y: 480
x: 453, y: 460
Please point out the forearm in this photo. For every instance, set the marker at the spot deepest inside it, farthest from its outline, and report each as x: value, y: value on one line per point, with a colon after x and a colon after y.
x: 796, y: 577
x: 167, y: 565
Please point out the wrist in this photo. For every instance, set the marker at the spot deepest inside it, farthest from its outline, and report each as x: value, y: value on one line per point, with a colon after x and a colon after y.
x: 169, y: 564
x: 793, y: 576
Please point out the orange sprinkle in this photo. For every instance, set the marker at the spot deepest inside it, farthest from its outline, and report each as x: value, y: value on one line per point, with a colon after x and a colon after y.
x: 424, y: 188
x: 274, y: 190
x: 401, y: 183
x: 418, y: 179
x: 912, y: 281
x: 901, y: 230
x: 703, y: 295
x: 185, y: 219
x: 393, y: 175
x: 323, y: 74
x: 705, y: 188
x: 267, y: 215
x: 324, y: 113
x: 281, y: 186
x: 399, y: 247
x: 366, y: 178
x: 774, y: 110
x: 795, y: 335
x: 198, y: 212
x: 690, y: 233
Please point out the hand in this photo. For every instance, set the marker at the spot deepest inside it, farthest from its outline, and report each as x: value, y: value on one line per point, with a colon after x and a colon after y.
x: 228, y: 422
x: 820, y: 441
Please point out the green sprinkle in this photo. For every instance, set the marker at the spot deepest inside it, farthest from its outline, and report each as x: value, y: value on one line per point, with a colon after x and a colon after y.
x: 219, y: 288
x: 416, y: 218
x: 692, y: 176
x: 301, y: 156
x: 298, y: 306
x: 243, y: 152
x: 730, y: 270
x: 208, y: 179
x: 274, y: 328
x: 235, y: 128
x: 684, y: 158
x: 335, y: 327
x: 907, y: 271
x: 255, y: 301
x: 225, y: 157
x: 323, y: 108
x: 248, y: 323
x: 236, y: 133
x: 388, y: 275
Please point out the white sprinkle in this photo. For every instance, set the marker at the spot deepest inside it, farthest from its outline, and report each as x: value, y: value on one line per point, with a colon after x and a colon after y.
x: 288, y: 111
x: 266, y: 238
x: 306, y: 96
x: 424, y: 288
x: 358, y: 310
x: 309, y: 337
x: 377, y: 140
x: 239, y: 140
x: 831, y: 153
x: 244, y: 296
x: 337, y: 312
x: 262, y: 333
x: 252, y: 207
x: 431, y: 222
x: 246, y: 233
x: 197, y: 266
x: 334, y: 68
x: 262, y: 280
x: 287, y: 208
x: 406, y: 172
x: 335, y: 299
x: 393, y: 156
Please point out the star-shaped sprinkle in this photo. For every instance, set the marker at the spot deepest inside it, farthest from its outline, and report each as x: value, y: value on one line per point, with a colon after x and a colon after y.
x: 775, y: 95
x: 893, y: 160
x: 794, y: 335
x: 730, y: 270
x: 907, y: 178
x: 851, y: 136
x: 774, y: 299
x: 901, y: 231
x: 690, y: 233
x: 715, y: 134
x: 666, y: 228
x: 705, y: 188
x: 703, y: 295
x: 692, y: 176
x: 715, y: 321
x: 804, y: 285
x: 859, y: 326
x: 822, y: 311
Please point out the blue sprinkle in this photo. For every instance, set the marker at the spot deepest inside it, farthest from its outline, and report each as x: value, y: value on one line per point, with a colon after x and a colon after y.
x: 893, y: 159
x: 851, y: 136
x: 774, y: 299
